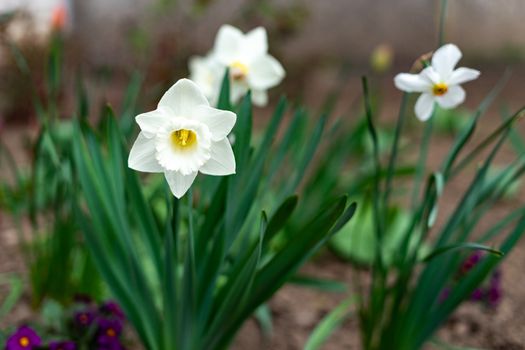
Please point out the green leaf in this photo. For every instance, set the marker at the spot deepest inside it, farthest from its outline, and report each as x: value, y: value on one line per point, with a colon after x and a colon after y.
x: 307, y: 240
x: 131, y: 95
x: 279, y: 219
x: 444, y: 346
x: 170, y: 294
x: 319, y: 283
x: 503, y: 128
x: 263, y: 315
x: 329, y: 324
x: 82, y: 99
x: 468, y: 130
x: 306, y: 158
x: 234, y: 295
x: 224, y: 95
x: 460, y: 246
x: 15, y: 293
x: 379, y: 215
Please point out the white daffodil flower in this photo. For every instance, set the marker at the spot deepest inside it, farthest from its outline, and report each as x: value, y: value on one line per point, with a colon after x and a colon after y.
x: 182, y: 137
x: 8, y: 6
x: 42, y: 18
x: 251, y: 67
x: 439, y: 82
x: 207, y: 73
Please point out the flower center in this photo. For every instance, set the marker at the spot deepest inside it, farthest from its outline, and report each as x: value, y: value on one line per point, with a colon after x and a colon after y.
x: 24, y: 342
x: 183, y: 138
x: 111, y: 332
x: 238, y: 71
x: 83, y: 318
x: 440, y: 89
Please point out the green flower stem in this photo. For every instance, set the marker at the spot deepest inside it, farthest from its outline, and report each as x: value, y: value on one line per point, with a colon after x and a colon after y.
x: 393, y: 155
x: 442, y: 16
x: 193, y: 270
x: 191, y: 236
x: 422, y: 161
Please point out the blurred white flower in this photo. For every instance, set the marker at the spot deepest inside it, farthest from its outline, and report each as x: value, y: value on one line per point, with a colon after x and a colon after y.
x: 438, y: 82
x: 251, y: 67
x: 207, y: 73
x: 42, y: 17
x: 182, y: 137
x: 8, y: 6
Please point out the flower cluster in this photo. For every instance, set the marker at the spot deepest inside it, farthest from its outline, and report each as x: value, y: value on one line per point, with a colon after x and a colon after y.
x: 489, y: 293
x: 102, y: 325
x: 95, y: 327
x: 250, y: 66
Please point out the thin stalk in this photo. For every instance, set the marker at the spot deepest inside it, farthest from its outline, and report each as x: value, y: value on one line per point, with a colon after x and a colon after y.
x: 193, y: 270
x: 378, y: 286
x: 379, y: 227
x: 175, y: 220
x: 191, y: 235
x: 407, y: 265
x: 442, y: 16
x: 428, y: 127
x: 422, y: 161
x: 393, y: 155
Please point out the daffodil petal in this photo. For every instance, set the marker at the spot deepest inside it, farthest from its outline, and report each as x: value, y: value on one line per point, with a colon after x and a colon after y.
x: 462, y: 75
x: 238, y: 90
x: 222, y: 161
x: 182, y: 97
x: 179, y: 184
x: 256, y: 41
x: 207, y: 73
x: 412, y: 82
x: 227, y: 43
x: 431, y: 75
x: 454, y: 96
x: 265, y: 72
x: 259, y: 97
x: 445, y: 59
x: 218, y: 121
x: 151, y: 122
x: 424, y: 106
x: 142, y: 155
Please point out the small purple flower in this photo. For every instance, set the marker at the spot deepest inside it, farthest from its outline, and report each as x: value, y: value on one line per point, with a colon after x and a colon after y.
x: 111, y: 346
x: 109, y: 332
x: 23, y: 338
x: 84, y: 318
x: 471, y: 261
x: 62, y: 345
x: 111, y: 308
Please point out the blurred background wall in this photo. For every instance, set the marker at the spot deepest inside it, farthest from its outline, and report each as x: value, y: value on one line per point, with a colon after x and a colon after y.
x: 108, y: 40
x: 488, y: 29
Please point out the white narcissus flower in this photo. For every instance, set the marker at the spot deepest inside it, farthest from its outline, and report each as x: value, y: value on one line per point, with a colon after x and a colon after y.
x: 251, y: 67
x: 43, y: 17
x: 439, y: 82
x: 8, y: 6
x: 182, y: 137
x: 207, y: 73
